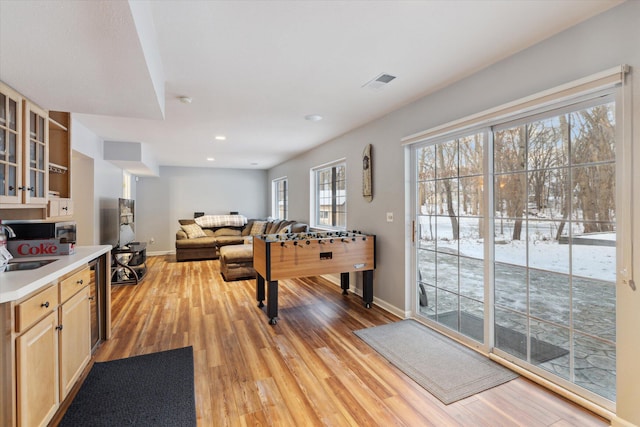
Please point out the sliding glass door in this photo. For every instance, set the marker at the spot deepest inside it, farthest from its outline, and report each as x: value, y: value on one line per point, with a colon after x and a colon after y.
x: 516, y: 236
x: 451, y: 227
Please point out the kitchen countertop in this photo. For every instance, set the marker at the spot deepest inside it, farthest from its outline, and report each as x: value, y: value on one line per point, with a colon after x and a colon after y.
x: 18, y: 284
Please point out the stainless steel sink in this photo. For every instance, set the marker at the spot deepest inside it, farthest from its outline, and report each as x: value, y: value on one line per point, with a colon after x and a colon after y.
x: 27, y: 265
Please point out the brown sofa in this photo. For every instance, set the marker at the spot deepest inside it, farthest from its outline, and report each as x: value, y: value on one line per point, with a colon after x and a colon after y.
x: 208, y: 245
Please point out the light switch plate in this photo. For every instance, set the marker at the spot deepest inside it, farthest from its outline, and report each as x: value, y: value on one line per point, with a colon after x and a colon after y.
x: 389, y: 216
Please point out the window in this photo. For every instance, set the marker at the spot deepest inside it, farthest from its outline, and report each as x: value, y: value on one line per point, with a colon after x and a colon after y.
x: 280, y: 192
x: 126, y: 185
x: 330, y: 196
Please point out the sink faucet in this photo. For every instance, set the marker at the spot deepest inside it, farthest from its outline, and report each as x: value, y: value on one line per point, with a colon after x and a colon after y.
x: 8, y: 230
x: 5, y: 255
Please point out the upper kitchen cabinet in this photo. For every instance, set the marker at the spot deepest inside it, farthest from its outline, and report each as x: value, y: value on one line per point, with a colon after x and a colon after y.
x: 35, y: 159
x: 10, y: 146
x: 60, y: 203
x: 36, y: 155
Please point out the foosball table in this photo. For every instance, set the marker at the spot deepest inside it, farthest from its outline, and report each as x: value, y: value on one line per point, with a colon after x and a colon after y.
x: 287, y: 256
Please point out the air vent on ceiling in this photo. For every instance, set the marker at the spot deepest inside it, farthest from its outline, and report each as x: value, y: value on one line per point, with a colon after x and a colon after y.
x: 379, y: 81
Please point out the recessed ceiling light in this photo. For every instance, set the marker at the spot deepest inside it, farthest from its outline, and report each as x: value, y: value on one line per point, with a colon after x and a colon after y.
x: 210, y: 159
x: 221, y: 138
x: 185, y: 99
x: 313, y: 117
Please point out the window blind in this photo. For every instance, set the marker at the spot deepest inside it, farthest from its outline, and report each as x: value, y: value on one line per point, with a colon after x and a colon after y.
x: 581, y: 87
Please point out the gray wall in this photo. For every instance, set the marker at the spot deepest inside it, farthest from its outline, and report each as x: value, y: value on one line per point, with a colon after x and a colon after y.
x: 605, y: 41
x: 107, y: 184
x: 82, y: 183
x: 180, y: 191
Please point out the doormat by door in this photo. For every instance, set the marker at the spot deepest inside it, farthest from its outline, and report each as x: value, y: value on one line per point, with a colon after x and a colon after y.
x: 447, y: 369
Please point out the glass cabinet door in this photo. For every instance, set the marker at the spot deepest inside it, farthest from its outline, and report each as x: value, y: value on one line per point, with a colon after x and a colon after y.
x: 10, y: 145
x: 36, y: 155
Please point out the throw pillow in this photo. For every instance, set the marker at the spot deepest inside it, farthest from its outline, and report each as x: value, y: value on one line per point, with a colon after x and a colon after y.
x: 272, y: 227
x: 193, y: 231
x: 284, y: 230
x: 257, y: 227
x: 247, y: 228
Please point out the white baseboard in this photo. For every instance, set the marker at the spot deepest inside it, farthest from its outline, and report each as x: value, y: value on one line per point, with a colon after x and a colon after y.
x: 160, y: 253
x: 619, y: 422
x: 335, y: 279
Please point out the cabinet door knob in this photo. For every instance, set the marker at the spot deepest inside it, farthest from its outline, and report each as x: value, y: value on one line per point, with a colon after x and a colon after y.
x: 65, y: 208
x: 80, y: 282
x: 59, y: 327
x: 45, y: 304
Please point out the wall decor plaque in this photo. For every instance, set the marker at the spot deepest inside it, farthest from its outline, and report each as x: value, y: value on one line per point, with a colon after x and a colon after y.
x: 367, y: 169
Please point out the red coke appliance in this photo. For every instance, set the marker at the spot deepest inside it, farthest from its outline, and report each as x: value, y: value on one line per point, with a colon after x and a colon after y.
x: 42, y: 239
x: 39, y: 247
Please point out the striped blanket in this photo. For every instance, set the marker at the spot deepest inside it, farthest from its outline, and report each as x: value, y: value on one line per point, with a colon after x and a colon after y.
x: 210, y: 221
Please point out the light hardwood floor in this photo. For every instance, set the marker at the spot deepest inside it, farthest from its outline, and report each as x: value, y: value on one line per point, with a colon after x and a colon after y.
x: 309, y: 369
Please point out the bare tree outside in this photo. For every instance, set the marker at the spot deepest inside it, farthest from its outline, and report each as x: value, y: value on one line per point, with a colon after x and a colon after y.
x: 553, y: 251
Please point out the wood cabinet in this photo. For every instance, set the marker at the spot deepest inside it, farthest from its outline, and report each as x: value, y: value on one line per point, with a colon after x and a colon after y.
x: 35, y: 159
x: 35, y: 165
x: 78, y: 303
x: 37, y: 372
x: 32, y: 309
x: 53, y: 346
x: 10, y: 146
x: 60, y: 203
x: 75, y: 339
x: 60, y: 208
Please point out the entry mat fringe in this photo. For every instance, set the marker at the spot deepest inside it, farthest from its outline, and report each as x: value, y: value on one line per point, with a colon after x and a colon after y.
x: 448, y: 370
x: 155, y: 389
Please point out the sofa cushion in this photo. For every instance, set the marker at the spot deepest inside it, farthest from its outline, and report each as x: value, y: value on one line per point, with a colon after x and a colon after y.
x: 236, y: 254
x: 284, y: 230
x: 193, y: 231
x: 201, y: 242
x: 258, y: 227
x: 299, y: 227
x: 246, y: 230
x: 229, y: 240
x: 272, y: 227
x: 227, y: 232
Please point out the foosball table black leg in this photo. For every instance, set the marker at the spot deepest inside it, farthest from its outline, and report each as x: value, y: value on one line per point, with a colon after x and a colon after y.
x: 367, y: 291
x: 344, y: 283
x: 260, y: 290
x: 272, y: 301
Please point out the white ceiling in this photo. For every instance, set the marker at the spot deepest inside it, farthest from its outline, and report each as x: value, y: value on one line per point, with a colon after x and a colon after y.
x: 255, y: 69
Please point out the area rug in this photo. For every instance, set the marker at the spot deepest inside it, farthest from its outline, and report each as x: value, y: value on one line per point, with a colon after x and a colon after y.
x: 448, y: 370
x: 155, y: 389
x: 508, y: 340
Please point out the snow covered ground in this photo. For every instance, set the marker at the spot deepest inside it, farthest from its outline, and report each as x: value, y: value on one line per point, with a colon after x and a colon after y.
x: 558, y: 285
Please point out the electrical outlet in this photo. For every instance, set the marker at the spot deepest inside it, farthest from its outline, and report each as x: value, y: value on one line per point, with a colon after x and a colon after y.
x: 389, y: 216
x: 152, y: 241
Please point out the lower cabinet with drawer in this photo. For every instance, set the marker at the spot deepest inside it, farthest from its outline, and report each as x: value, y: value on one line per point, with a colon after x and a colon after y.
x: 53, y: 346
